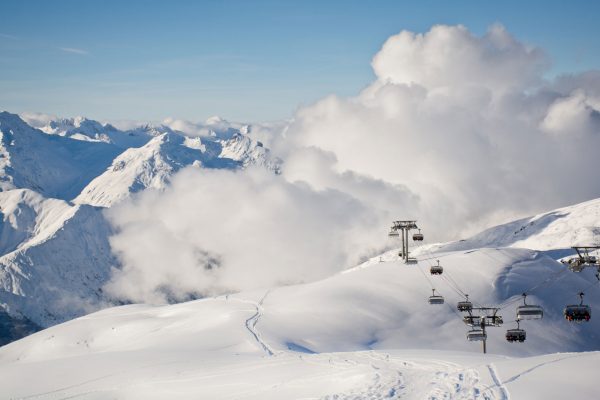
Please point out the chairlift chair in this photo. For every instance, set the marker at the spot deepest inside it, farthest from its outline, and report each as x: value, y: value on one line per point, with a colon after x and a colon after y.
x: 527, y: 311
x: 412, y: 261
x: 516, y: 335
x: 591, y: 260
x: 475, y: 335
x: 576, y: 264
x: 436, y: 269
x: 472, y: 320
x: 393, y: 233
x: 578, y: 312
x: 494, y: 320
x: 418, y: 236
x: 466, y: 305
x: 436, y: 299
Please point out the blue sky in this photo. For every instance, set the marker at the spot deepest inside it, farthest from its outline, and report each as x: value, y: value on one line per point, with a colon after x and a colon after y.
x: 243, y: 60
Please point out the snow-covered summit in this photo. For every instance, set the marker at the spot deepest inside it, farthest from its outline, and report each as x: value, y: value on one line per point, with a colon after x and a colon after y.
x: 153, y: 164
x: 52, y: 165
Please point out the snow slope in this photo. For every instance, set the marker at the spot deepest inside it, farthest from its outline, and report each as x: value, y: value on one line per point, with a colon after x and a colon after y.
x: 558, y: 229
x: 55, y: 258
x: 366, y: 333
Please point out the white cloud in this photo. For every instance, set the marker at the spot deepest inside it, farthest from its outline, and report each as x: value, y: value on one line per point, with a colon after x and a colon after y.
x: 36, y: 119
x: 449, y: 56
x: 74, y: 51
x: 260, y: 230
x: 457, y: 131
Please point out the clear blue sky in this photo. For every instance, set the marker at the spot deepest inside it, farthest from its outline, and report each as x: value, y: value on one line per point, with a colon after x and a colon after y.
x: 243, y: 60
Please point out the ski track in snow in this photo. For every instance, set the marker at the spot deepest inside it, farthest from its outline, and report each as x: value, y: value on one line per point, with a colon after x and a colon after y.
x: 497, y: 382
x: 253, y: 320
x: 385, y: 378
x: 529, y: 370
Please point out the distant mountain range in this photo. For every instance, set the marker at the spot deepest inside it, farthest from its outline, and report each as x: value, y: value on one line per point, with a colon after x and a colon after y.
x: 55, y: 182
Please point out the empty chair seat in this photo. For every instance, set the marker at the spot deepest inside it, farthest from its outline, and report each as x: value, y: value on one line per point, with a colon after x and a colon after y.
x: 476, y: 335
x: 393, y: 233
x: 530, y: 312
x: 527, y: 311
x: 412, y: 261
x: 436, y: 299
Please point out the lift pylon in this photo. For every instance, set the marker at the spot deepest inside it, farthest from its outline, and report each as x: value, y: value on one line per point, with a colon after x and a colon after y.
x: 402, y: 228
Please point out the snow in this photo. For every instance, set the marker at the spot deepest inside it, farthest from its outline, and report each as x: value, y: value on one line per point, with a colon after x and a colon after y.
x: 152, y: 165
x: 577, y: 225
x: 253, y: 346
x: 53, y: 166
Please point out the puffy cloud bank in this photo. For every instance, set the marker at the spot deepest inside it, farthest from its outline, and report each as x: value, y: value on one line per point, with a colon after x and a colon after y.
x: 216, y: 231
x: 457, y: 131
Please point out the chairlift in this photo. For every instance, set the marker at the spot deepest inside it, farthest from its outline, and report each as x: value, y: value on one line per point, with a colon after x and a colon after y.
x: 393, y: 233
x: 516, y: 335
x: 590, y: 259
x: 418, y: 236
x: 494, y: 320
x: 527, y: 311
x: 465, y: 305
x: 436, y: 269
x: 475, y: 335
x: 576, y: 264
x: 472, y: 320
x: 578, y: 312
x: 436, y: 299
x: 411, y: 261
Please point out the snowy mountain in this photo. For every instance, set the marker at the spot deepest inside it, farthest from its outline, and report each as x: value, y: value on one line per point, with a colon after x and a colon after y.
x: 55, y: 257
x: 364, y: 333
x: 80, y: 128
x: 151, y: 165
x: 54, y: 166
x: 54, y: 250
x: 577, y: 225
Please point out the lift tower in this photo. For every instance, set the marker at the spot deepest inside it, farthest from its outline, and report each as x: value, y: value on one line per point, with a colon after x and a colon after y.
x: 487, y: 318
x: 584, y: 259
x: 402, y: 228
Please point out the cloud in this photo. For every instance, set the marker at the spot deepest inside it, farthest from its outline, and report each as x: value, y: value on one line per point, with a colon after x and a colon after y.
x: 216, y: 231
x: 36, y: 119
x: 449, y: 56
x: 462, y: 121
x: 457, y: 131
x: 74, y: 51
